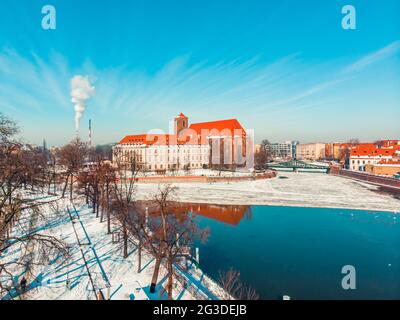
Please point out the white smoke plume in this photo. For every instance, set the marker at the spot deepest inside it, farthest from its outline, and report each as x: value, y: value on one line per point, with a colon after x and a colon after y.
x: 81, y: 91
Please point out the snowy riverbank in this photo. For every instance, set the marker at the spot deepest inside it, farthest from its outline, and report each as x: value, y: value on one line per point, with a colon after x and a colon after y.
x: 289, y: 189
x: 96, y: 263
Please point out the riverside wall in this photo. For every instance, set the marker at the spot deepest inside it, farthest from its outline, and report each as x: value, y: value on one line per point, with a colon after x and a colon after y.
x: 205, y: 179
x: 382, y: 181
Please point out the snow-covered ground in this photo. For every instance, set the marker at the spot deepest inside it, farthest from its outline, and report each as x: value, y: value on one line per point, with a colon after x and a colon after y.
x: 117, y: 278
x: 288, y: 189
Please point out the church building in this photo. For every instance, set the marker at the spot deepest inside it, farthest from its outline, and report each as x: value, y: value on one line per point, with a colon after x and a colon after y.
x: 216, y: 144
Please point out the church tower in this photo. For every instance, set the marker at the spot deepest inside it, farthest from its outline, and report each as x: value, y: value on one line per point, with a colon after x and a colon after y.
x: 181, y: 123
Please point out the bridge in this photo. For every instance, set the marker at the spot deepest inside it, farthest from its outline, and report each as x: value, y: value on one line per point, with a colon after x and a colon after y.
x: 297, y: 165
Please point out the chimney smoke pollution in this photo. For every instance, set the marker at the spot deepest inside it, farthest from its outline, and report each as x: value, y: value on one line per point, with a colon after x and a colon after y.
x: 81, y: 91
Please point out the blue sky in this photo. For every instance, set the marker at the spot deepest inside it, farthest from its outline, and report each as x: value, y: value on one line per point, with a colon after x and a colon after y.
x: 286, y: 68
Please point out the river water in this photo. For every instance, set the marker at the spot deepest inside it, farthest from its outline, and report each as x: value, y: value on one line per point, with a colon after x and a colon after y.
x: 300, y: 252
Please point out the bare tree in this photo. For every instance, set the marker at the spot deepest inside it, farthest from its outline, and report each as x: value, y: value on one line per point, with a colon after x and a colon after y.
x: 344, y: 155
x: 35, y: 248
x: 89, y: 183
x: 171, y: 235
x: 8, y: 128
x: 260, y: 157
x: 182, y: 231
x: 123, y: 191
x: 21, y: 165
x: 157, y: 238
x: 108, y: 178
x: 138, y: 227
x: 71, y: 157
x: 95, y: 183
x: 234, y: 288
x: 266, y: 145
x: 36, y: 170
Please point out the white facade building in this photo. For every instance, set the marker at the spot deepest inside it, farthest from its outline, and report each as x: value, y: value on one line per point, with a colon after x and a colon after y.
x: 199, y: 146
x: 370, y: 154
x: 285, y: 150
x: 310, y: 151
x: 163, y: 157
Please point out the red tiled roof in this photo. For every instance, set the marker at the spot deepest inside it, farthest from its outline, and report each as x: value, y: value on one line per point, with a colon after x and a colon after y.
x: 369, y: 149
x: 147, y: 139
x: 181, y: 115
x: 365, y: 149
x: 135, y: 139
x: 157, y: 139
x: 221, y: 126
x: 195, y: 134
x: 385, y: 151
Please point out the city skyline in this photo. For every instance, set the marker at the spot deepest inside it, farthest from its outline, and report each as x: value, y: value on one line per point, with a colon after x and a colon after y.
x: 288, y: 74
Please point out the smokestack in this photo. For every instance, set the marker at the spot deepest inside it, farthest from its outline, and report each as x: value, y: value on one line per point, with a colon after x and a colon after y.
x: 90, y: 132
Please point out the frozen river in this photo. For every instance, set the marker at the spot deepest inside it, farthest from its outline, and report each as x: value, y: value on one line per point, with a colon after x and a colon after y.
x: 289, y: 189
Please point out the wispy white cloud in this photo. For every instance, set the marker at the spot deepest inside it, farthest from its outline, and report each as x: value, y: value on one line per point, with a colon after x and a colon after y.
x: 30, y: 84
x: 227, y: 87
x: 374, y: 57
x: 306, y: 93
x: 203, y: 90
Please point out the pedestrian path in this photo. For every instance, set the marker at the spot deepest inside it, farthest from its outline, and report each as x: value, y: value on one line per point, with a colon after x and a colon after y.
x: 88, y: 251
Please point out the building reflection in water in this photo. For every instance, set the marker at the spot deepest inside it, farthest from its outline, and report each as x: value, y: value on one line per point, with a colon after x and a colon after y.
x: 229, y: 214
